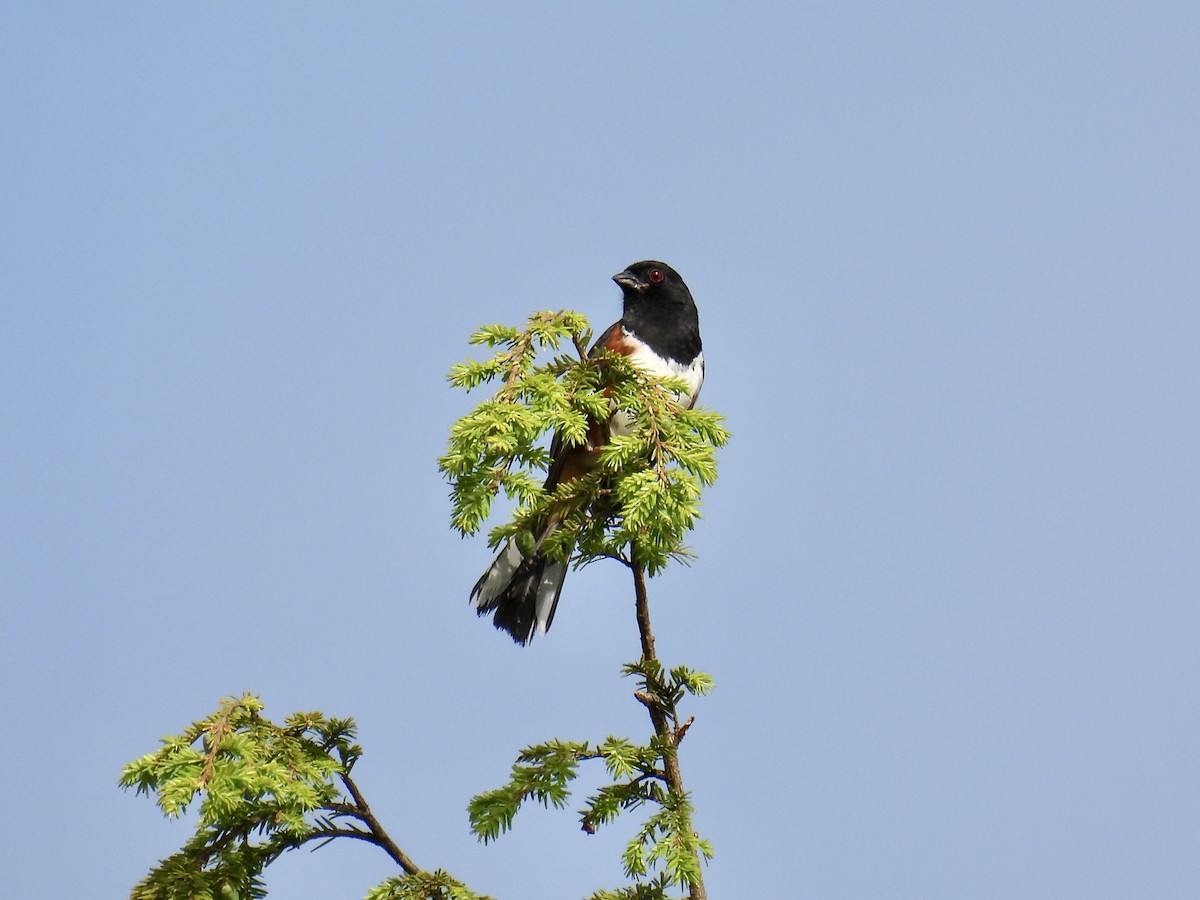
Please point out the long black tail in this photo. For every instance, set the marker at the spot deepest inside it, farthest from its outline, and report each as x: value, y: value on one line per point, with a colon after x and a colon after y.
x: 521, y: 590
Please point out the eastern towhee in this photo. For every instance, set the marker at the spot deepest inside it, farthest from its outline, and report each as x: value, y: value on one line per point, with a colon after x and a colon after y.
x: 659, y: 331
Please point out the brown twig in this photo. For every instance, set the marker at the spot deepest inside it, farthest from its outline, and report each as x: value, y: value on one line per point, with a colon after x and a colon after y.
x: 515, y: 357
x: 580, y: 347
x: 658, y: 714
x: 659, y: 453
x: 379, y: 837
x: 214, y: 733
x: 683, y: 729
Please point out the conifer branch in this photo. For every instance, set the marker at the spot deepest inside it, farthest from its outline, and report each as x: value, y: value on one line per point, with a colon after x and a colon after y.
x: 660, y: 715
x: 379, y: 836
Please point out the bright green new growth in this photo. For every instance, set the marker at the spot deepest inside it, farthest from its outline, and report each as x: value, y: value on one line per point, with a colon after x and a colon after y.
x: 642, y: 496
x: 264, y: 788
x: 664, y: 850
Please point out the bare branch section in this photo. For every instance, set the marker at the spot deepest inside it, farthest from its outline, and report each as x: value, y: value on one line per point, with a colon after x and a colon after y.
x: 662, y: 715
x: 378, y: 835
x: 264, y: 789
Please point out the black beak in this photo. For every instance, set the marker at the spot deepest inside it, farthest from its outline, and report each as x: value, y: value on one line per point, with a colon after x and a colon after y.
x: 627, y: 279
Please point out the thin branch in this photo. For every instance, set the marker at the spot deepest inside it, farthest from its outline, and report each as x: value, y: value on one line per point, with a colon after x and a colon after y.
x: 659, y: 715
x: 516, y: 356
x: 659, y: 452
x: 683, y: 729
x: 580, y: 347
x: 328, y: 834
x: 379, y: 836
x: 642, y: 601
x: 343, y: 809
x: 215, y: 731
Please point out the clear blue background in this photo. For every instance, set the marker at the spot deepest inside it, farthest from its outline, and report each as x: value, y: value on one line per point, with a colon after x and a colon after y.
x: 946, y: 261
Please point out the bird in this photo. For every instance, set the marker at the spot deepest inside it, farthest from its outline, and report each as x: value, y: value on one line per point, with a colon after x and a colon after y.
x: 659, y: 330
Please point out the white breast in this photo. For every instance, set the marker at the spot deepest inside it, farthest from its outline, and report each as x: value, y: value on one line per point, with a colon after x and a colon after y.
x: 644, y: 358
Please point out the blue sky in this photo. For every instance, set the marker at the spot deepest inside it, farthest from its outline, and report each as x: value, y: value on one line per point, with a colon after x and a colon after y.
x: 945, y: 258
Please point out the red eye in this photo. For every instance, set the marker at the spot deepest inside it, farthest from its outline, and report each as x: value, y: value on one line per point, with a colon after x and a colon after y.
x: 656, y: 275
